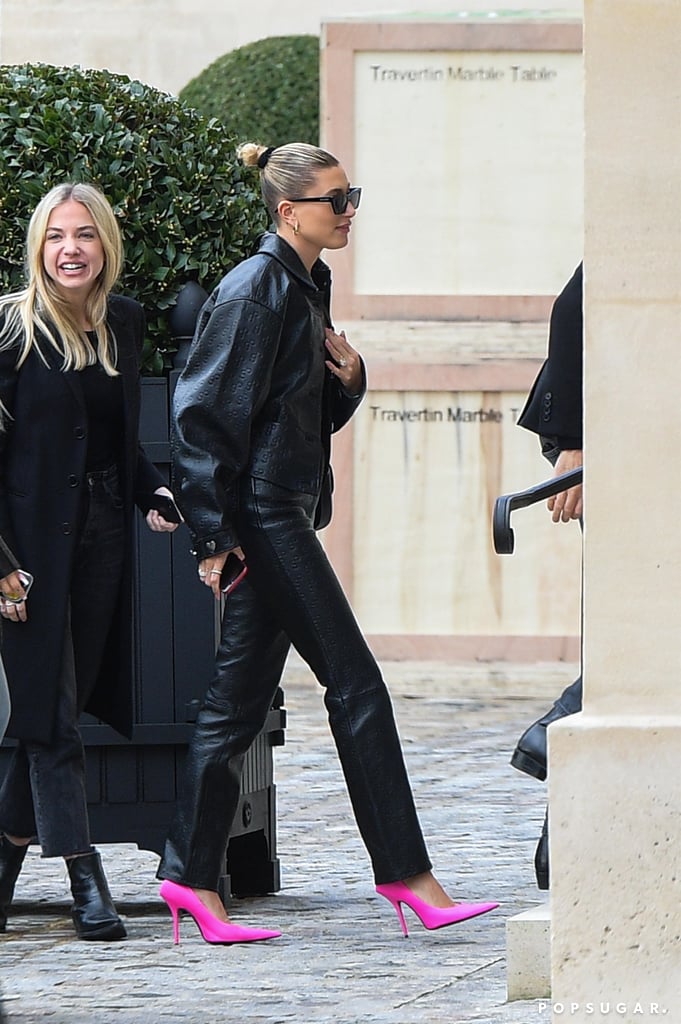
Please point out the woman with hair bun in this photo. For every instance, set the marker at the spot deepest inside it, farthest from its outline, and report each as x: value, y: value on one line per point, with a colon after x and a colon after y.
x: 71, y: 471
x: 267, y: 382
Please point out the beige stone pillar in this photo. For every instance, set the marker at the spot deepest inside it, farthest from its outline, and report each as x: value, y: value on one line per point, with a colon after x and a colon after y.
x: 615, y: 770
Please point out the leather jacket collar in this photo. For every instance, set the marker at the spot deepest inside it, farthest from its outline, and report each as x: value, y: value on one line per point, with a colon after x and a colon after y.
x: 271, y: 244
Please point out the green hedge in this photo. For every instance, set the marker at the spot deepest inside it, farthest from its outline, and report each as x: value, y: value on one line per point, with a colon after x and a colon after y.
x: 266, y: 92
x: 187, y: 207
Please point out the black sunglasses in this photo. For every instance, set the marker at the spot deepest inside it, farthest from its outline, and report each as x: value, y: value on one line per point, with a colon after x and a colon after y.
x: 339, y: 203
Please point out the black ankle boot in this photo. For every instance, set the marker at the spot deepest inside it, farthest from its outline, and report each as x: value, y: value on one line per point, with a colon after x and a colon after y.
x: 11, y: 859
x: 93, y: 912
x: 541, y: 856
x: 529, y: 755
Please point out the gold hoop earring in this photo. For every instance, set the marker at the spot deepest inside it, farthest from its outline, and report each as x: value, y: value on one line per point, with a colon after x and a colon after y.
x: 296, y: 227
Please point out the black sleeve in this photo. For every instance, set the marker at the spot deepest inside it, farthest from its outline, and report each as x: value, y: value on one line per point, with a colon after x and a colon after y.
x: 343, y: 405
x: 220, y: 391
x: 554, y: 404
x: 8, y: 383
x: 146, y: 477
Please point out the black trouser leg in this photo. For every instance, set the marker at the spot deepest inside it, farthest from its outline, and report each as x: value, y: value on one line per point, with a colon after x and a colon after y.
x: 541, y: 855
x: 11, y: 860
x: 249, y: 664
x: 292, y: 592
x: 43, y: 792
x: 290, y: 567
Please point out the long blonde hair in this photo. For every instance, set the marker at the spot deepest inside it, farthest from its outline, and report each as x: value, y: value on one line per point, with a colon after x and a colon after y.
x: 40, y: 308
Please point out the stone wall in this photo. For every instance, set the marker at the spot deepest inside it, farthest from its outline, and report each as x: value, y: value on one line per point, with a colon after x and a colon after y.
x: 165, y: 43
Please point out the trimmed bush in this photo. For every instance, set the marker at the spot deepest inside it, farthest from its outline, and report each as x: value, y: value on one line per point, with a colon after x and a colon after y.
x: 266, y: 92
x: 187, y: 208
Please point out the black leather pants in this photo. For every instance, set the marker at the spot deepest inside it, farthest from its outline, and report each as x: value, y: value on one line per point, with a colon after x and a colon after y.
x: 291, y: 595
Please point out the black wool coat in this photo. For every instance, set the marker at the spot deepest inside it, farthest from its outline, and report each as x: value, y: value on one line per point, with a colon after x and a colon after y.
x: 554, y: 405
x: 8, y: 561
x: 42, y: 474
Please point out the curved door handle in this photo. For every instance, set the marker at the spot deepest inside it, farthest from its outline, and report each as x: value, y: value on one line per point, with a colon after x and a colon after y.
x: 506, y: 503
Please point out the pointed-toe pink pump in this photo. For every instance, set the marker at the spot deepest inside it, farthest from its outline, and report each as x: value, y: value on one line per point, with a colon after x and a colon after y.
x: 430, y: 917
x: 181, y: 897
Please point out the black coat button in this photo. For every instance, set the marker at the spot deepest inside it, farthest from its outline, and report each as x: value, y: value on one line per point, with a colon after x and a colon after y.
x: 546, y: 406
x: 79, y: 432
x: 66, y: 529
x: 72, y: 480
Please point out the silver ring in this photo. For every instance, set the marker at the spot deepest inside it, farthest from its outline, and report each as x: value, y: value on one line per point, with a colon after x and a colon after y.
x: 202, y: 575
x: 216, y: 572
x: 342, y: 361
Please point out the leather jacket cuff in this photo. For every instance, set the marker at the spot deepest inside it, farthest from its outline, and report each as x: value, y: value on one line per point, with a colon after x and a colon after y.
x: 363, y: 385
x: 206, y: 547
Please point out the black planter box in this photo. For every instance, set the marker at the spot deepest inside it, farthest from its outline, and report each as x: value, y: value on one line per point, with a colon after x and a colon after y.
x: 132, y: 786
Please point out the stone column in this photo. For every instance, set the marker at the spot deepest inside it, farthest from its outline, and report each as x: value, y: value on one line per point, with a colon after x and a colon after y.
x: 615, y: 770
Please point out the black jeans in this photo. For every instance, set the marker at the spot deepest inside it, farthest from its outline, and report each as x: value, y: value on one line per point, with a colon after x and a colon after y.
x: 43, y: 792
x: 291, y: 595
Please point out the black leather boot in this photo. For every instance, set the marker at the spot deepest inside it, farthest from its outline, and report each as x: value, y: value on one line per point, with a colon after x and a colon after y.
x: 93, y: 912
x: 541, y: 856
x: 529, y: 755
x: 11, y: 859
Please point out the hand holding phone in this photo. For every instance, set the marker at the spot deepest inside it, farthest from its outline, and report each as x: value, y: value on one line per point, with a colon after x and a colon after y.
x: 19, y: 596
x: 166, y: 507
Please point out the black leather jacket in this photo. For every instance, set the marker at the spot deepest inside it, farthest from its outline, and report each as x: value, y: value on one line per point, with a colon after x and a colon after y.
x: 255, y: 396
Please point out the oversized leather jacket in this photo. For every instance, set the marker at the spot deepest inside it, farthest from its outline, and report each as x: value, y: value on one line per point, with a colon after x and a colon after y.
x: 255, y: 397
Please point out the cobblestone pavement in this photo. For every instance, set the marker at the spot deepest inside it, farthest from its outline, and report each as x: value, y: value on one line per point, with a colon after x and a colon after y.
x: 342, y: 958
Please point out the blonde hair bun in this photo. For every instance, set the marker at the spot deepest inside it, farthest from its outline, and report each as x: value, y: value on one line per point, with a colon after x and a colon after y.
x: 249, y: 153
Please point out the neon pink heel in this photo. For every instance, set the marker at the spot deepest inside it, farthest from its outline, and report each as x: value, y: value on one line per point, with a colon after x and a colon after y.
x: 430, y: 917
x: 181, y: 897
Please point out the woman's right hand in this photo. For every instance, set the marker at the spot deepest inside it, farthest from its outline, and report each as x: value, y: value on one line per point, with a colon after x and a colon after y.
x: 568, y: 504
x: 210, y: 569
x: 12, y: 587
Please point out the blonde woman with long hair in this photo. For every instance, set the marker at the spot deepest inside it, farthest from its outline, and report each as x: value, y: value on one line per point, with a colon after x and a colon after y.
x: 71, y: 472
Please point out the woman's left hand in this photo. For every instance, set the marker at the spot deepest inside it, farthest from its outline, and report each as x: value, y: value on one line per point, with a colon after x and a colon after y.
x: 155, y: 520
x: 14, y: 610
x: 345, y: 362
